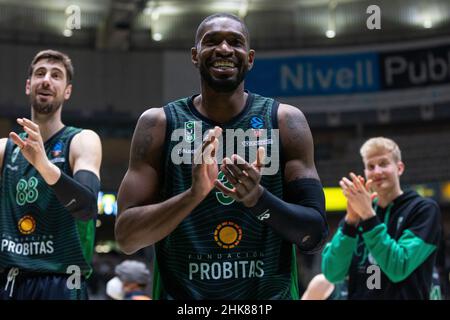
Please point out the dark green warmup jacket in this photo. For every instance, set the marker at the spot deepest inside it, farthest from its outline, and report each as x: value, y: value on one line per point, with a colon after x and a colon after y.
x: 401, y: 240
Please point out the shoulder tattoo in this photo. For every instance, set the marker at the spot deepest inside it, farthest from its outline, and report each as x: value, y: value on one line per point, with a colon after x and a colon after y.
x: 143, y: 139
x: 296, y: 122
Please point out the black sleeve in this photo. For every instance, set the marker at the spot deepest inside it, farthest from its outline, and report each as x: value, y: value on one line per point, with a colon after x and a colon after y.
x: 301, y: 218
x: 78, y: 194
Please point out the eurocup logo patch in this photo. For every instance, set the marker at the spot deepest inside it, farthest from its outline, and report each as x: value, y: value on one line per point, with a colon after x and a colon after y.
x: 57, y: 149
x: 228, y: 235
x: 257, y: 122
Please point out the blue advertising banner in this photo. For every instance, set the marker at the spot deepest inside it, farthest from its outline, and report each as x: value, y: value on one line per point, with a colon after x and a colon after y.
x: 325, y: 80
x: 315, y: 75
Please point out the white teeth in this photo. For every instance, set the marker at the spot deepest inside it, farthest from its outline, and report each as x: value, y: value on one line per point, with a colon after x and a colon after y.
x: 223, y: 63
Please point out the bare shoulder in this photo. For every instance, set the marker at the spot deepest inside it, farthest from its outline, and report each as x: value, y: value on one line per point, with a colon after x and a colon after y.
x: 291, y: 117
x: 153, y: 116
x: 86, y: 152
x: 87, y: 137
x: 87, y: 134
x: 297, y: 143
x: 85, y: 140
x: 2, y: 150
x: 141, y: 184
x: 148, y: 136
x: 294, y: 129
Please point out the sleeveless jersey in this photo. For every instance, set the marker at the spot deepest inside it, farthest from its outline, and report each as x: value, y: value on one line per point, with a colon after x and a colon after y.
x: 37, y: 233
x: 221, y: 250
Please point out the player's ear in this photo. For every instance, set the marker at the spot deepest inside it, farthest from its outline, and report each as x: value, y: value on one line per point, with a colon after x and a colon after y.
x: 28, y: 87
x: 67, y: 92
x: 400, y: 168
x: 251, y: 58
x: 194, y: 57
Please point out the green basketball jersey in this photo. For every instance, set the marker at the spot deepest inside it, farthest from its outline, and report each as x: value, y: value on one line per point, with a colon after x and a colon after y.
x: 37, y: 233
x: 221, y: 250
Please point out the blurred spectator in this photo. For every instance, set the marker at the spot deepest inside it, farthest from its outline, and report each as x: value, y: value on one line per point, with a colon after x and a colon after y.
x: 388, y: 241
x: 130, y: 282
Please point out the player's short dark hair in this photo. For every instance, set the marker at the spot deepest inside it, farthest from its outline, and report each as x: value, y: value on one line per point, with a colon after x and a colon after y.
x: 221, y: 15
x: 53, y: 56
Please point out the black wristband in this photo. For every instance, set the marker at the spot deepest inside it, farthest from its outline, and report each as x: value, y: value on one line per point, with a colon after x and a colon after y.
x: 369, y: 224
x: 349, y: 230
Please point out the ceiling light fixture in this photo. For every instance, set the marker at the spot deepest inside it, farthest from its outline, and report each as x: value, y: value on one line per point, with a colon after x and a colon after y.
x: 67, y: 33
x: 157, y: 36
x: 331, y: 31
x: 330, y: 34
x: 243, y: 10
x: 427, y: 23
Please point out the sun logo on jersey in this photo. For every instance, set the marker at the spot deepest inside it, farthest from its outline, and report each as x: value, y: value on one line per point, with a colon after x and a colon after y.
x: 26, y: 224
x: 228, y: 235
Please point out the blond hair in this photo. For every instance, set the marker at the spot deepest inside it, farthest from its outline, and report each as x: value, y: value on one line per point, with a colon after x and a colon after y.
x: 380, y: 145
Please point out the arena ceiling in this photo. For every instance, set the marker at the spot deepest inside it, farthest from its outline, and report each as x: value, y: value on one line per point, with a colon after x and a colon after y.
x: 165, y: 24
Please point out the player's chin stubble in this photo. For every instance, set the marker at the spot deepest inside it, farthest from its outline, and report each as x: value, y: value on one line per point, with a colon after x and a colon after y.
x: 44, y: 107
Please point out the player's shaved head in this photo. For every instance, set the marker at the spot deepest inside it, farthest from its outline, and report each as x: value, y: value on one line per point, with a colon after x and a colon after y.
x: 201, y: 27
